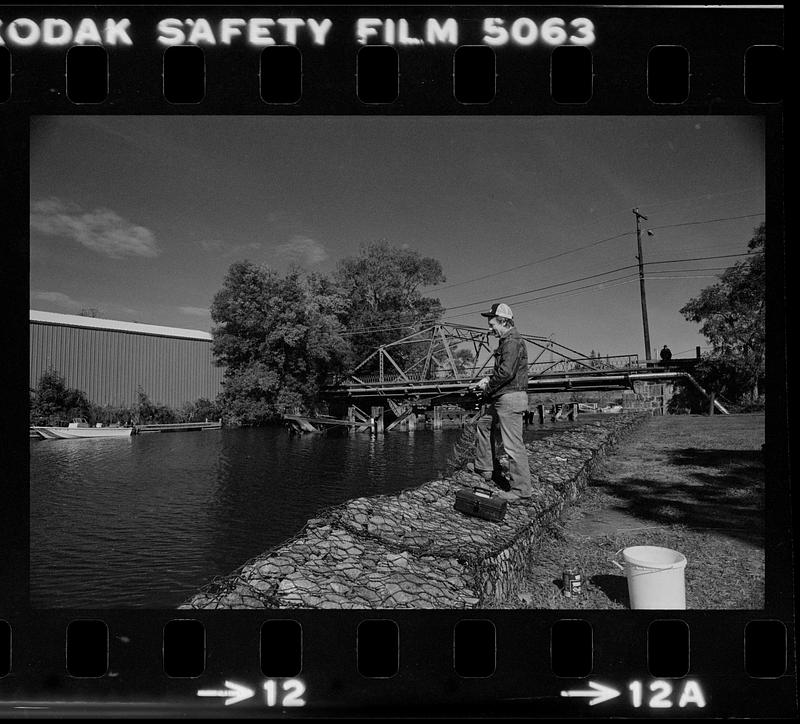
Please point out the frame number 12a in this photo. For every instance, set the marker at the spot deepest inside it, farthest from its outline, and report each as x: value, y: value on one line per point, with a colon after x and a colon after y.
x: 659, y: 694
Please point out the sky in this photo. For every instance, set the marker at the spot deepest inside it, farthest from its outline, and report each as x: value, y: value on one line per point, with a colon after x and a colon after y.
x: 140, y: 217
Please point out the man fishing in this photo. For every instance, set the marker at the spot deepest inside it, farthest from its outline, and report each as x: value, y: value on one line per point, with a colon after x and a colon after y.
x: 499, y: 445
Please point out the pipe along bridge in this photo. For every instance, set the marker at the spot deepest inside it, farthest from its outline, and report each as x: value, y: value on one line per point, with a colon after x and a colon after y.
x: 437, y: 365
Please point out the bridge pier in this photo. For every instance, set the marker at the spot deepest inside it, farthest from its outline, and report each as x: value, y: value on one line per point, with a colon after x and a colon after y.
x: 376, y: 413
x: 354, y: 414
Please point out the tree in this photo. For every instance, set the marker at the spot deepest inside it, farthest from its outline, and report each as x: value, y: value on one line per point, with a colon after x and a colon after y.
x: 201, y: 410
x: 732, y: 317
x: 278, y: 337
x: 52, y: 401
x: 464, y: 360
x: 146, y: 411
x: 383, y: 287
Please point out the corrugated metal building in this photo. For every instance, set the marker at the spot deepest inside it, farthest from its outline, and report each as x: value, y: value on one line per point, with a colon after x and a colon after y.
x: 108, y: 359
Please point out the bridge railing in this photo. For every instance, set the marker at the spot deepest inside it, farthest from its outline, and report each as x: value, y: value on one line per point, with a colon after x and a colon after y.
x: 411, y: 377
x: 585, y: 364
x: 470, y: 374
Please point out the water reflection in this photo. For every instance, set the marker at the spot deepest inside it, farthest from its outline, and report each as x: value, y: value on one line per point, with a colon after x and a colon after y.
x: 145, y: 521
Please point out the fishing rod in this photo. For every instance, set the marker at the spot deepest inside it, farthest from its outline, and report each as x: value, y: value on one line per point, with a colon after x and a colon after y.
x: 461, y: 393
x: 466, y: 393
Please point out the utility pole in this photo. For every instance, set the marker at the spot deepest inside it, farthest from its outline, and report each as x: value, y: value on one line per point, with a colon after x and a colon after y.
x: 641, y: 283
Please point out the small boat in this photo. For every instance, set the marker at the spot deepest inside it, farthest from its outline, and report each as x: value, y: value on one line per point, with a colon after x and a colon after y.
x: 611, y: 409
x: 79, y: 428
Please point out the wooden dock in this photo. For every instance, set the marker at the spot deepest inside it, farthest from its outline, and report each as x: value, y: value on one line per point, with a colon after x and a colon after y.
x: 177, y: 427
x: 303, y: 423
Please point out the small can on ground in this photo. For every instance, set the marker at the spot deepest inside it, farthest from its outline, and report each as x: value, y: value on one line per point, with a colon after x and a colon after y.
x: 572, y: 583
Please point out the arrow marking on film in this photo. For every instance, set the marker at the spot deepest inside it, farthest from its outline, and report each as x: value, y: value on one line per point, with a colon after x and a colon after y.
x: 232, y: 695
x: 598, y: 693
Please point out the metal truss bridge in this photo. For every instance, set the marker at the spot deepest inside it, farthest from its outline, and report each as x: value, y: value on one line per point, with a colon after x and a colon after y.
x: 441, y: 361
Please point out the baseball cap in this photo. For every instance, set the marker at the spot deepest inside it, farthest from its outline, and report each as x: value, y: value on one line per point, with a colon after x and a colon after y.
x: 499, y: 310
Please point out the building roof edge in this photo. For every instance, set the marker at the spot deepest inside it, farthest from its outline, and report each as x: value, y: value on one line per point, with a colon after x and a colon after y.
x: 75, y: 320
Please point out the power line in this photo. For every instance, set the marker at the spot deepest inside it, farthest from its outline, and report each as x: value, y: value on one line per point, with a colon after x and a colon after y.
x: 594, y: 276
x: 612, y: 283
x: 649, y: 205
x: 696, y: 276
x: 707, y: 221
x: 629, y: 279
x: 531, y: 263
x: 586, y: 246
x: 566, y: 292
x: 366, y: 330
x: 700, y: 249
x: 605, y: 284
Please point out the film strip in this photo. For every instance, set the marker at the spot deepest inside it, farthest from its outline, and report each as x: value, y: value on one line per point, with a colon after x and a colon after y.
x: 276, y: 62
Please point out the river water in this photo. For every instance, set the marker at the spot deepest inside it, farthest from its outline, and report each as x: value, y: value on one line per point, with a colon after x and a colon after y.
x: 145, y: 521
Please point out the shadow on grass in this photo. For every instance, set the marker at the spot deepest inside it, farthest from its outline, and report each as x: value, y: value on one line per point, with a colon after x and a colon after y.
x: 743, y: 465
x: 721, y: 490
x: 615, y: 587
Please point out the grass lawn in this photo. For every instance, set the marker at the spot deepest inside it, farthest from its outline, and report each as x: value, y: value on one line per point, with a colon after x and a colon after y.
x: 691, y: 483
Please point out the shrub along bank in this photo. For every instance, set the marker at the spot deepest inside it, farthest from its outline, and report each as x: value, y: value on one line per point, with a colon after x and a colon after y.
x: 53, y: 403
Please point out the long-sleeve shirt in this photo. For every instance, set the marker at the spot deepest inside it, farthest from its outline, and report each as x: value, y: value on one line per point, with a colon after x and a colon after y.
x: 510, y: 372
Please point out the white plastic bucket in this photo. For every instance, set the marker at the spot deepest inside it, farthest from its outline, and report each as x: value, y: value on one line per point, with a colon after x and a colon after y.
x: 655, y: 577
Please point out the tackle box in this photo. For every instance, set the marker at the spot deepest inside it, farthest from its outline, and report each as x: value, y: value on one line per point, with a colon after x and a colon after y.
x: 481, y: 503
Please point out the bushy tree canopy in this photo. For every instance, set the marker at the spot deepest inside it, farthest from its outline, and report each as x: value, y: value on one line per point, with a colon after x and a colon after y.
x: 53, y: 402
x: 282, y: 336
x: 383, y: 287
x: 200, y: 410
x: 146, y: 411
x: 732, y: 317
x: 278, y: 337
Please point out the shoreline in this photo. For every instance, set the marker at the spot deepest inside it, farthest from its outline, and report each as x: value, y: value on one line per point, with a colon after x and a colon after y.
x: 412, y: 549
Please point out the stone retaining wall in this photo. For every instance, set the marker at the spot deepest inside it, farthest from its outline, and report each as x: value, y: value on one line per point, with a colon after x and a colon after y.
x: 412, y: 549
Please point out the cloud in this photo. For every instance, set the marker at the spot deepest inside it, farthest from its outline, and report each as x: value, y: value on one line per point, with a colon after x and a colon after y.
x: 195, y: 311
x: 60, y: 300
x: 101, y: 230
x: 302, y: 250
